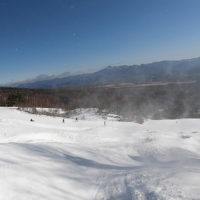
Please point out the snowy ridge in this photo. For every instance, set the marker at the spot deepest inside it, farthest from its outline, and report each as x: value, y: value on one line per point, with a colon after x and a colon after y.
x: 48, y: 159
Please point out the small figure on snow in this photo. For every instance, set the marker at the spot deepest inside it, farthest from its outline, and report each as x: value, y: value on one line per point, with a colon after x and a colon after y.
x: 63, y: 120
x: 76, y: 119
x: 31, y: 120
x: 104, y: 123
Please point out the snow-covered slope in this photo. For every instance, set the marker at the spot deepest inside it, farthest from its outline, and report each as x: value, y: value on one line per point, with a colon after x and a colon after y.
x: 48, y: 159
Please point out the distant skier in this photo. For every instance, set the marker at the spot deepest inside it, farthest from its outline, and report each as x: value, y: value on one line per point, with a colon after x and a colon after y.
x: 104, y: 123
x: 63, y: 120
x: 31, y: 120
x: 76, y: 119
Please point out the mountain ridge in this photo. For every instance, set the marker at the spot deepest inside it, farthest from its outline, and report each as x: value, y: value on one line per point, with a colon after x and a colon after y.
x: 179, y: 70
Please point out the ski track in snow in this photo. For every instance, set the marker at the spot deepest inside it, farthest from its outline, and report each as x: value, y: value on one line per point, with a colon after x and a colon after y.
x: 85, y: 160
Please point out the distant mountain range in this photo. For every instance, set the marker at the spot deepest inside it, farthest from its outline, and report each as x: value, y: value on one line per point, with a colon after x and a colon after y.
x: 42, y: 77
x: 164, y: 71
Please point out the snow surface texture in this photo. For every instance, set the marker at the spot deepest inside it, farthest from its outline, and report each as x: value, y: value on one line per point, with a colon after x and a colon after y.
x: 85, y: 160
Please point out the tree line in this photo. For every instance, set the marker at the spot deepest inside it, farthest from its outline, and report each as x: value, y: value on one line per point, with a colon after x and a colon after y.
x: 155, y: 102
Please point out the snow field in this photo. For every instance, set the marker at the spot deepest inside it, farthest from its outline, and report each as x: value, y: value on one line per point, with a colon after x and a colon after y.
x: 48, y: 159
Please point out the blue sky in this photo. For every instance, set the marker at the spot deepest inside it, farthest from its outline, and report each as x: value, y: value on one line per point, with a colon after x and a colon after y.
x: 55, y: 36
